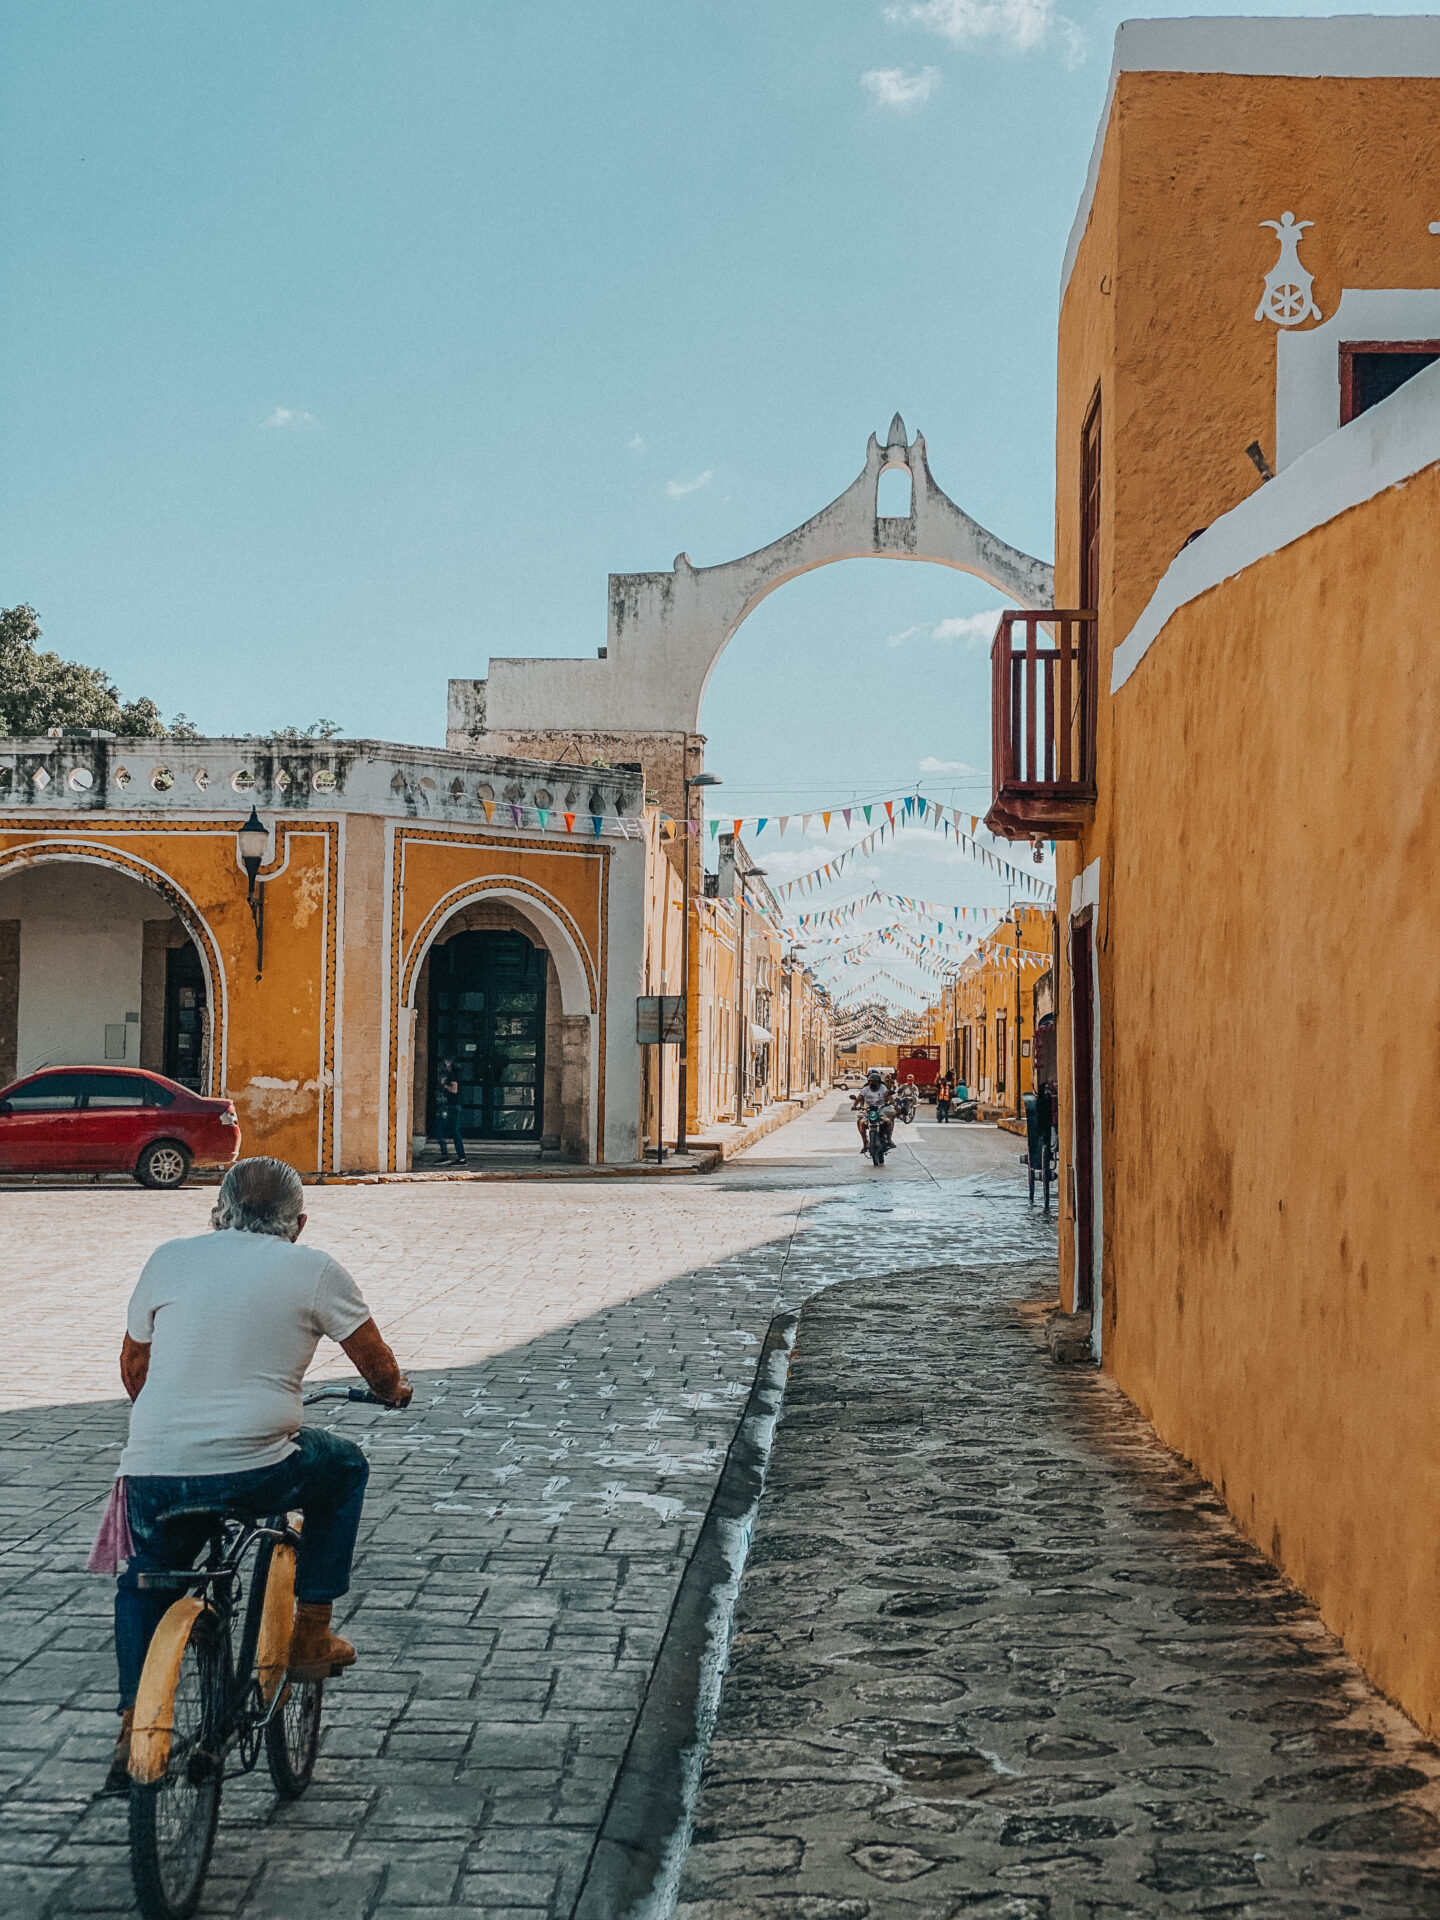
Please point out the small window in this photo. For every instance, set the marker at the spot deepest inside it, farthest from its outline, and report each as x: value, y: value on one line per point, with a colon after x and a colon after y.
x: 51, y: 1093
x: 111, y: 1089
x: 893, y: 494
x: 1371, y: 370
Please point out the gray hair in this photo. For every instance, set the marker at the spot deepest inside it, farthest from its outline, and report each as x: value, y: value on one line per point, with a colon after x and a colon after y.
x: 259, y: 1196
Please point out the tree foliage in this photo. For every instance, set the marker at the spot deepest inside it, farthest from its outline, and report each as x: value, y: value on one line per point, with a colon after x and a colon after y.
x: 39, y: 691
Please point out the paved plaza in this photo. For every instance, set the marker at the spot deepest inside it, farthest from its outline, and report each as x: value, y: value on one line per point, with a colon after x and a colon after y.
x: 583, y: 1354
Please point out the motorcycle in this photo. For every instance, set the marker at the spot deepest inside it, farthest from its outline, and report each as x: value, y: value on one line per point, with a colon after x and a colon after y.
x: 876, y: 1138
x: 905, y: 1103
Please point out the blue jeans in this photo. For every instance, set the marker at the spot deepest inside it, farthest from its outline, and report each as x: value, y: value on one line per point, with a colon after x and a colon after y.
x: 325, y: 1478
x: 447, y: 1128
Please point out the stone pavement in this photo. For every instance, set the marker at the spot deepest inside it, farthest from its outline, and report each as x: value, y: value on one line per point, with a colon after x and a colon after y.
x: 582, y: 1355
x: 999, y: 1654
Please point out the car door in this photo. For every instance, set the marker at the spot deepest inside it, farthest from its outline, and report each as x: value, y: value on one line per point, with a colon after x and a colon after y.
x: 113, y: 1122
x: 38, y: 1132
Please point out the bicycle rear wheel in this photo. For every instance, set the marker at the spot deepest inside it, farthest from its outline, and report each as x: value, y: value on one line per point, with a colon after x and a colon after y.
x: 293, y: 1737
x: 173, y: 1818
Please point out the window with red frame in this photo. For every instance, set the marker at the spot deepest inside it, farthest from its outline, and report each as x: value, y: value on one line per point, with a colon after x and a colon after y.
x: 1371, y: 370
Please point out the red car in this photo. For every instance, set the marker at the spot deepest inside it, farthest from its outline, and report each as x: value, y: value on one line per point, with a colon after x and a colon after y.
x: 113, y: 1120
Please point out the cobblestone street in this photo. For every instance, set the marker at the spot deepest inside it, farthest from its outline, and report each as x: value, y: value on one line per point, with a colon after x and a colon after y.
x: 582, y: 1355
x: 940, y: 1498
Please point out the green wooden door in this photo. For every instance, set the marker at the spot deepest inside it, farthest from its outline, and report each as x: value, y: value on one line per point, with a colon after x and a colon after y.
x: 487, y: 1016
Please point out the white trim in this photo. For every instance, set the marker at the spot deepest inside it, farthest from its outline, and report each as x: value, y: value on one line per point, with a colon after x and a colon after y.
x: 1085, y: 892
x: 1345, y: 46
x: 1307, y: 364
x: 1085, y: 888
x: 1383, y: 448
x: 383, y: 1105
x: 337, y: 1078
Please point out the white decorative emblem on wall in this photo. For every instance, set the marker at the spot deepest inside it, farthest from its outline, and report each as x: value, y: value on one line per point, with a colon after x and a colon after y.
x: 1287, y: 299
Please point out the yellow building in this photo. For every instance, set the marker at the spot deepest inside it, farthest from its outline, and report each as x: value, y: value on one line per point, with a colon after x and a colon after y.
x: 1252, y: 787
x: 985, y: 1022
x: 412, y: 904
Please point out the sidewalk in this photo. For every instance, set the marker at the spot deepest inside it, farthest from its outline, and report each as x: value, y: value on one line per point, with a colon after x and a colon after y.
x: 998, y: 1653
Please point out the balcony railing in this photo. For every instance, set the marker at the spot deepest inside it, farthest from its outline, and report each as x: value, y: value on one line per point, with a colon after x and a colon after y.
x: 1043, y: 718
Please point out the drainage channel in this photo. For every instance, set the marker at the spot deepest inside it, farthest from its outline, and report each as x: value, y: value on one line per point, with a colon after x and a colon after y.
x: 633, y: 1872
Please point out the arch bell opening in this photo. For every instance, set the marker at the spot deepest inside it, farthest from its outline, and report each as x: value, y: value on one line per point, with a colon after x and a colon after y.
x: 97, y: 968
x: 490, y: 997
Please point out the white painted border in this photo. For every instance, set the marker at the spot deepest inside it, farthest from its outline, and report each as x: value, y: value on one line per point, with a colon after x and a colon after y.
x: 1085, y: 892
x: 1383, y: 448
x: 1307, y: 363
x: 1344, y: 46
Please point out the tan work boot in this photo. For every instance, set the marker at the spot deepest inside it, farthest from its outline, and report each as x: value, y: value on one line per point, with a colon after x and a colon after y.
x: 118, y: 1778
x: 314, y: 1649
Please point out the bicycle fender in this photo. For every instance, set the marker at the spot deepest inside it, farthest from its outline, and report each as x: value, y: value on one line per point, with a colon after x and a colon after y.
x: 272, y: 1655
x: 155, y: 1700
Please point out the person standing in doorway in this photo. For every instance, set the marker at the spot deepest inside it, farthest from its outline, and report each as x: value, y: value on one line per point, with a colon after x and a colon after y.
x: 447, y: 1114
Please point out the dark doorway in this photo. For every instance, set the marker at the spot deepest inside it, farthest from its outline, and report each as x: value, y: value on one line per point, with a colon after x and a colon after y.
x: 185, y: 1011
x: 487, y: 1015
x: 1090, y: 507
x: 1371, y: 370
x: 1082, y: 1050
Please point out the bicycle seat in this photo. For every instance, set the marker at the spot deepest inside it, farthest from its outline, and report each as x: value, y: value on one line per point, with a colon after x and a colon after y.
x: 217, y: 1516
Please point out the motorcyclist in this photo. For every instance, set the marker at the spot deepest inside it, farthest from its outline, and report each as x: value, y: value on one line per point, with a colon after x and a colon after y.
x: 874, y: 1093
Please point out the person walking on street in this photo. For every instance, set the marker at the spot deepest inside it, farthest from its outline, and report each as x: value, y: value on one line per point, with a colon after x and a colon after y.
x: 447, y: 1114
x: 942, y: 1098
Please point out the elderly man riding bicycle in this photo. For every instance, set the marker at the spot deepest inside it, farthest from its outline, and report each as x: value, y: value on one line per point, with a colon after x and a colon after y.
x: 220, y: 1330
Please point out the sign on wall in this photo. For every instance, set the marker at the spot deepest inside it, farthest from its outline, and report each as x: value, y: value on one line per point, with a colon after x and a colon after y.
x: 659, y: 1019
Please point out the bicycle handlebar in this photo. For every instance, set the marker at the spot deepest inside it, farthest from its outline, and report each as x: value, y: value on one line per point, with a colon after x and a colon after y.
x: 362, y: 1394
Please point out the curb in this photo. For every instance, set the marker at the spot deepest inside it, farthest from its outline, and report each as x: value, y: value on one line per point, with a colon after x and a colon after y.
x: 644, y: 1834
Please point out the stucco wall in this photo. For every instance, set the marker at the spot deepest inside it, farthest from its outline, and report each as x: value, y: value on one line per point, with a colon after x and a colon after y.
x: 1158, y: 311
x: 1273, y: 1224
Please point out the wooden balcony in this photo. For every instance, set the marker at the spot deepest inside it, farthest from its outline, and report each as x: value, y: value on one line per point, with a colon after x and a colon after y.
x: 1043, y: 696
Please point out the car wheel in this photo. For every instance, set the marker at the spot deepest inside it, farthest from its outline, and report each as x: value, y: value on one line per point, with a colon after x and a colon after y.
x: 164, y: 1163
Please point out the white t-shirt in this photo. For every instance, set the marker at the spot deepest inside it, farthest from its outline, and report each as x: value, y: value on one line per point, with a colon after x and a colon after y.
x: 232, y: 1321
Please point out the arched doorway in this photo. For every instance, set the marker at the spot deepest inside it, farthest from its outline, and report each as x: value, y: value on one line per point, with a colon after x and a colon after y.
x: 98, y: 968
x: 486, y: 1015
x: 509, y: 1006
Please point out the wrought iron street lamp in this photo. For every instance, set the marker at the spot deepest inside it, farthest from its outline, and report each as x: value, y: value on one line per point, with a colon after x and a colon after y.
x: 253, y: 840
x: 691, y: 782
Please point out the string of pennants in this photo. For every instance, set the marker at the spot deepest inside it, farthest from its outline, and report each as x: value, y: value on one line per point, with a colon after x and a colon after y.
x: 921, y: 909
x: 914, y: 810
x: 629, y: 828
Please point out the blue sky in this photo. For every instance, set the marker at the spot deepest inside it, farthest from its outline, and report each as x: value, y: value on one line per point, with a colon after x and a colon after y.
x: 346, y: 343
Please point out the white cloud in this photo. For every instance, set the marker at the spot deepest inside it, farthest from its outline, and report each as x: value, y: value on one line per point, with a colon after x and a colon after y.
x: 294, y: 418
x: 931, y: 765
x: 902, y: 92
x: 1018, y: 25
x: 677, y: 489
x: 635, y: 444
x: 977, y: 628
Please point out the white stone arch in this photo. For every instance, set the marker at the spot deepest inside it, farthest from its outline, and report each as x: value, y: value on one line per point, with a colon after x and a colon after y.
x: 667, y: 631
x: 575, y: 970
x: 119, y: 859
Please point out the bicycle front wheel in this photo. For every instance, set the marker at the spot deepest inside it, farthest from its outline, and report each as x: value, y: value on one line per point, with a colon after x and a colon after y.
x: 173, y: 1816
x: 292, y: 1737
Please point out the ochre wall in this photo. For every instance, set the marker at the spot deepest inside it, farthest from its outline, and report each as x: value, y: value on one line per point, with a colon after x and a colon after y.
x: 280, y: 1030
x: 1159, y: 313
x: 436, y: 870
x: 1274, y: 1217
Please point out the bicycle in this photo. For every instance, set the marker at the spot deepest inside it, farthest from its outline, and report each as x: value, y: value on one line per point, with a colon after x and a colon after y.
x: 198, y: 1702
